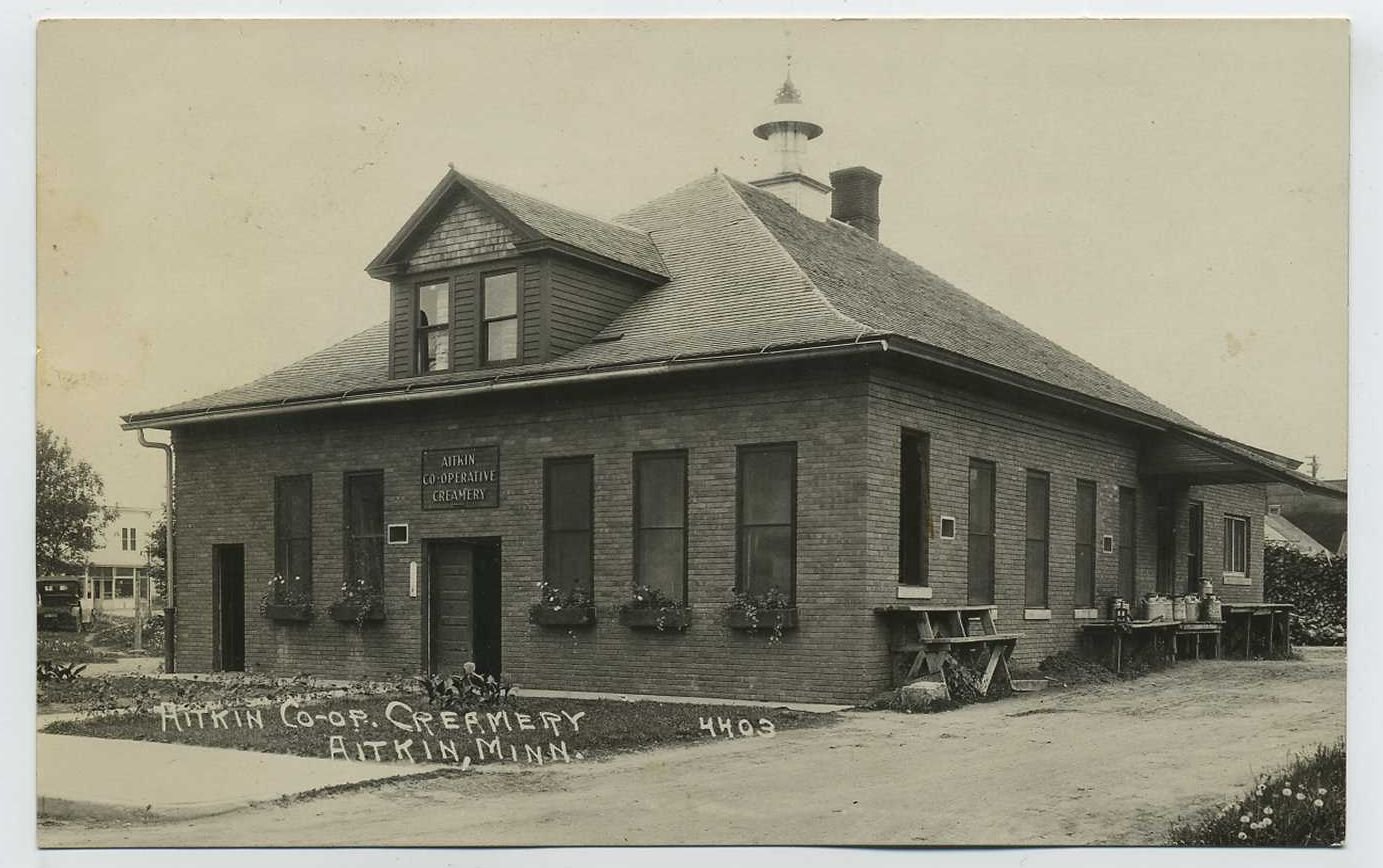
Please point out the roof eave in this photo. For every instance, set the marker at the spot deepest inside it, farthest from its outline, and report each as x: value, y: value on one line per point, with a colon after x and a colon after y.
x: 401, y: 391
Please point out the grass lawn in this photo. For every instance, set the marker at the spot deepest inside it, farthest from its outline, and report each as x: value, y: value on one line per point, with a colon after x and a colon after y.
x: 1301, y: 806
x: 586, y: 728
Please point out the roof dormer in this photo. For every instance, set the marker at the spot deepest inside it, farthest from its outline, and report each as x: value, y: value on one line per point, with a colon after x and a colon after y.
x: 482, y: 276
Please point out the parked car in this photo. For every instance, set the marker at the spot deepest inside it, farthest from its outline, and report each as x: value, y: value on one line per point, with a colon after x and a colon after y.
x: 60, y: 604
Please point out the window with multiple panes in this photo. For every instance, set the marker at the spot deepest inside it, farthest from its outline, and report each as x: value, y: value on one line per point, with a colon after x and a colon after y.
x: 1195, y: 546
x: 499, y: 317
x: 1236, y: 545
x: 568, y: 523
x: 980, y: 557
x: 365, y: 527
x: 1128, y: 543
x: 1038, y: 526
x: 1085, y: 543
x: 767, y: 512
x: 660, y: 522
x: 432, y: 336
x: 293, y: 531
x: 914, y: 508
x: 128, y: 539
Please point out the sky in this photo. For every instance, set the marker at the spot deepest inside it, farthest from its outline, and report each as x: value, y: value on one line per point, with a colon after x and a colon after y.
x: 1167, y: 199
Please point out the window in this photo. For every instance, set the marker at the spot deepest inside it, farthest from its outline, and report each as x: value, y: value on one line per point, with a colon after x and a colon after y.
x: 1128, y: 543
x: 365, y: 528
x: 660, y: 522
x: 293, y: 531
x: 433, y: 335
x: 980, y: 559
x: 1038, y: 524
x: 128, y: 539
x: 767, y: 511
x: 1195, y: 549
x: 1085, y: 543
x: 499, y: 317
x: 914, y: 509
x: 568, y: 523
x: 1236, y: 545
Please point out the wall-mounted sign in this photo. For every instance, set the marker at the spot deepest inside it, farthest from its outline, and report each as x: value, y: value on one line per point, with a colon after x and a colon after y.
x: 463, y: 478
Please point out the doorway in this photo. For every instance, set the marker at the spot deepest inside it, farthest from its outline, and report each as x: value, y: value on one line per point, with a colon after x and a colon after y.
x: 228, y: 619
x: 1166, y: 541
x: 464, y: 606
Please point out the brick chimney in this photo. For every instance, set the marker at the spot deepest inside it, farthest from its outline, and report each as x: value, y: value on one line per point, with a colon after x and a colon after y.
x: 855, y: 199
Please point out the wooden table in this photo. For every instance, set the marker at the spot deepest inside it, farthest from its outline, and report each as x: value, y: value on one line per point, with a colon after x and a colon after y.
x: 1239, y: 621
x: 925, y: 637
x: 1198, y: 630
x: 1158, y: 632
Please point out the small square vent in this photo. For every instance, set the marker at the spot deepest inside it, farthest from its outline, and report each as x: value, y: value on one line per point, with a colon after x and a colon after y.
x: 948, y: 527
x: 1108, y: 544
x: 398, y: 534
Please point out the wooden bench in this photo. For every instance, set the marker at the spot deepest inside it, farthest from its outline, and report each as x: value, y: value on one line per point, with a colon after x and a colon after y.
x: 924, y: 635
x: 1239, y: 621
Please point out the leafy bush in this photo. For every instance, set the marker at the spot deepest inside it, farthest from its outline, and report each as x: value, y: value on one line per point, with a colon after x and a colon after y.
x: 1303, y: 806
x: 50, y: 671
x: 1316, y: 587
x: 468, y: 689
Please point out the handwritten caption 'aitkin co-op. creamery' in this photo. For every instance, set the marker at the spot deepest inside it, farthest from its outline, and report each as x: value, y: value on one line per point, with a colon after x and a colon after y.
x: 356, y: 734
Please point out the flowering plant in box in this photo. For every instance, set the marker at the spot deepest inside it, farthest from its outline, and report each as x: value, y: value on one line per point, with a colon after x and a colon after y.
x: 286, y: 601
x: 650, y: 607
x: 560, y: 605
x: 358, y: 602
x: 771, y: 610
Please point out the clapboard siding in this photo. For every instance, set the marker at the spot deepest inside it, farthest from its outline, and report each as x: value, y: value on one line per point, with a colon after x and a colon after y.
x: 583, y: 301
x: 531, y: 311
x: 467, y: 233
x: 465, y: 320
x: 401, y: 330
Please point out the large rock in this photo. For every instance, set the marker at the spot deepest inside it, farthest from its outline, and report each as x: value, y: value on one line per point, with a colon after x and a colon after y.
x: 921, y: 695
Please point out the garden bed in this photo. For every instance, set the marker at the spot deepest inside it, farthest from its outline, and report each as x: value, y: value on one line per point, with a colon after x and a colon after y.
x: 606, y: 726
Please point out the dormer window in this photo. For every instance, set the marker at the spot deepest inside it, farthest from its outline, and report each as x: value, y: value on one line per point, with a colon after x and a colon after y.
x: 499, y: 317
x: 433, y: 337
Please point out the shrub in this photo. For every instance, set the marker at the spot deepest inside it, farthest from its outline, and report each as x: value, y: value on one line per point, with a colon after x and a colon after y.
x: 1316, y: 587
x: 1303, y: 806
x: 468, y: 689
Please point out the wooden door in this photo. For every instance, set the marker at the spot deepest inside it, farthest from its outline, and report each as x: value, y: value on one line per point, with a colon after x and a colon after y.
x: 228, y: 577
x: 450, y: 573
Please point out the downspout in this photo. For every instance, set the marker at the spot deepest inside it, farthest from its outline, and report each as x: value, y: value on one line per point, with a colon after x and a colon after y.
x: 170, y: 610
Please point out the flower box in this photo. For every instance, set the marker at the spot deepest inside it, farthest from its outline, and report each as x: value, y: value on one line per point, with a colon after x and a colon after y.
x: 766, y: 620
x: 351, y: 612
x: 567, y: 616
x: 655, y: 619
x: 288, y: 611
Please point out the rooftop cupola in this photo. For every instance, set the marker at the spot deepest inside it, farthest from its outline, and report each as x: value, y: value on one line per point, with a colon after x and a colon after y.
x: 787, y: 132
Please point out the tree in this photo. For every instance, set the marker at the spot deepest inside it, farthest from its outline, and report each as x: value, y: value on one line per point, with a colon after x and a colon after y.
x: 70, y: 507
x: 157, y: 549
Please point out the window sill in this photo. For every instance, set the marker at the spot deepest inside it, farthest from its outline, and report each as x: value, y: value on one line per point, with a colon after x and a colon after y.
x: 1086, y: 614
x: 914, y: 592
x: 1235, y: 579
x: 1037, y: 614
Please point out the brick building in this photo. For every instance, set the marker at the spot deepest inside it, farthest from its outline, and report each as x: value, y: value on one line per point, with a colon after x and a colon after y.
x: 723, y: 388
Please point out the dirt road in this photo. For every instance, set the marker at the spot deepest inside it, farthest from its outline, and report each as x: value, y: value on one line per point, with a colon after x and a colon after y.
x: 1113, y: 764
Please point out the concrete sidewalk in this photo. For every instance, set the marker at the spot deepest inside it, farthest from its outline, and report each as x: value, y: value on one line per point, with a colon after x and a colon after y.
x: 104, y: 778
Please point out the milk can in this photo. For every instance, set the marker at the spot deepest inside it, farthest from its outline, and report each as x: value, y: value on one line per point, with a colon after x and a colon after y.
x: 1212, y: 609
x: 1178, y: 608
x: 1207, y: 589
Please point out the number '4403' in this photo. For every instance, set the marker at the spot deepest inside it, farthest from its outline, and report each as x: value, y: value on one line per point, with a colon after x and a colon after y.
x: 728, y: 727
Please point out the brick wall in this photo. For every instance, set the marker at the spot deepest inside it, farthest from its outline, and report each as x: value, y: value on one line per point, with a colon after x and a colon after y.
x: 963, y: 425
x: 225, y: 495
x: 846, y: 420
